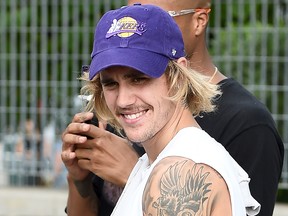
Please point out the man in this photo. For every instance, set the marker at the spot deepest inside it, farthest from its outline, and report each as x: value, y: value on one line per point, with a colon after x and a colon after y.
x: 141, y: 85
x: 241, y: 123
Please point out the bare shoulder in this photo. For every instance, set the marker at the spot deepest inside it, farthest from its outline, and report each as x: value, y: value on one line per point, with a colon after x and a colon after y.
x: 179, y: 186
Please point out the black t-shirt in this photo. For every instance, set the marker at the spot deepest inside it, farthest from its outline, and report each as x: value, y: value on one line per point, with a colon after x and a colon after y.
x: 244, y: 126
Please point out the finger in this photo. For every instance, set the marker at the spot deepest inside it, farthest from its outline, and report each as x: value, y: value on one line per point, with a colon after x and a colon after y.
x: 82, y: 117
x: 84, y: 164
x: 85, y: 145
x: 82, y: 153
x: 69, y: 142
x: 102, y: 125
x: 70, y: 139
x: 93, y: 131
x: 67, y: 156
x: 78, y: 129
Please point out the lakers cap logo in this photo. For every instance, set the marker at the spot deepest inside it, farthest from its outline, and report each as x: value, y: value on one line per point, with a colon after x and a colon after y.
x: 126, y: 27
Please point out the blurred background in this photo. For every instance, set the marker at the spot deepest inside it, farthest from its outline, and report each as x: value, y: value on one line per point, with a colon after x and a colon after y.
x: 44, y: 43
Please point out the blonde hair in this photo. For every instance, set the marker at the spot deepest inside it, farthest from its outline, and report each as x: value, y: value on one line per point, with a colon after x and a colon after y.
x: 191, y: 88
x: 185, y: 86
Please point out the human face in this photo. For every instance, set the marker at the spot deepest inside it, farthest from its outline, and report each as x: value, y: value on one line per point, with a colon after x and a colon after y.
x: 138, y: 102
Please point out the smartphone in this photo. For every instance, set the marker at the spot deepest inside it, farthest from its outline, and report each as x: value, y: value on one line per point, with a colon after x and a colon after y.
x: 93, y: 121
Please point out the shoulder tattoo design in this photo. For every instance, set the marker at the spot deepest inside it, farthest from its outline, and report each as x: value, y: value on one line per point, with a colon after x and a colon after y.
x: 182, y: 191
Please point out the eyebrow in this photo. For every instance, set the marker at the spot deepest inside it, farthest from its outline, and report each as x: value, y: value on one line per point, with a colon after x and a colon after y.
x: 130, y: 73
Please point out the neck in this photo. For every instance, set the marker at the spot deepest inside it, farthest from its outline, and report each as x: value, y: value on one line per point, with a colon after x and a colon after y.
x: 182, y: 118
x: 202, y: 63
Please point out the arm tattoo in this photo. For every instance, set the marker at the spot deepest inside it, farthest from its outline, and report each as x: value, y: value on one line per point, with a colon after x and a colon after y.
x: 84, y: 187
x: 182, y: 192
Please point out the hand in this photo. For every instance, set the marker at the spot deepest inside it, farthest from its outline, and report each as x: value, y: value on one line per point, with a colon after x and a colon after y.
x: 107, y: 155
x: 70, y: 138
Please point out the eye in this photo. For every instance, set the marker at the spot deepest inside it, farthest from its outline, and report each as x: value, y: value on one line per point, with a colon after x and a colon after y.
x: 139, y: 80
x: 109, y: 85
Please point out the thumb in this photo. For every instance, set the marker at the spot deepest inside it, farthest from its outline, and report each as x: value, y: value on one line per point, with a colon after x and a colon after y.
x: 102, y: 125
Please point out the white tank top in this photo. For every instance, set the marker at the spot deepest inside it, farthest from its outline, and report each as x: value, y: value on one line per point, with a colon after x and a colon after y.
x: 198, y: 146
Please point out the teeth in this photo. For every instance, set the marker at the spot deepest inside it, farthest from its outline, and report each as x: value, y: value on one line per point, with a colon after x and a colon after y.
x: 134, y: 116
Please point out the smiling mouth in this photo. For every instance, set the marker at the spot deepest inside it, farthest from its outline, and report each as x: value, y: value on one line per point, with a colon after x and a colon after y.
x: 134, y: 116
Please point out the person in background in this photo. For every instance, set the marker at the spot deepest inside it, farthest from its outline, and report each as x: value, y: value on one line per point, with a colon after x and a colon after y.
x: 241, y: 123
x: 30, y: 146
x: 141, y: 85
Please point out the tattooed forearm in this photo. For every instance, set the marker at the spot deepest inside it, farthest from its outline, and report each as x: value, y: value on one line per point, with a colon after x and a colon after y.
x: 84, y: 187
x: 85, y: 190
x: 183, y: 191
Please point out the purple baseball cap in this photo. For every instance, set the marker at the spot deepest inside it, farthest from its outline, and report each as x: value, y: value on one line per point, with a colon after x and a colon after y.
x: 143, y: 37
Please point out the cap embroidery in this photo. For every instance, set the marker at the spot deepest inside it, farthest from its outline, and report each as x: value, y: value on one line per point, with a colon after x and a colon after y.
x: 174, y: 52
x: 126, y: 27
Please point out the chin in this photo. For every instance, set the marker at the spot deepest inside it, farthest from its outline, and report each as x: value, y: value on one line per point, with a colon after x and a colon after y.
x: 135, y: 139
x: 138, y: 135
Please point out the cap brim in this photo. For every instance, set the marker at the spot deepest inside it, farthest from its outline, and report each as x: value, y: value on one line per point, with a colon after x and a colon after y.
x: 147, y: 62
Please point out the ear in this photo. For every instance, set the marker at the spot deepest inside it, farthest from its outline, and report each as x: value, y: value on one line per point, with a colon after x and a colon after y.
x: 201, y: 19
x: 182, y: 61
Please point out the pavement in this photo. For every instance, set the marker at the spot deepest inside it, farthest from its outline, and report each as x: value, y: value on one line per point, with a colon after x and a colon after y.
x: 281, y: 209
x: 19, y: 201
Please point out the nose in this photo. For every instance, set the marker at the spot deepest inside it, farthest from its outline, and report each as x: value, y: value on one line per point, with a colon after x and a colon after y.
x: 125, y: 96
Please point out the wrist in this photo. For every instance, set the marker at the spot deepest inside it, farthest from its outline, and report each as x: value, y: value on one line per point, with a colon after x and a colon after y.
x: 84, y: 187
